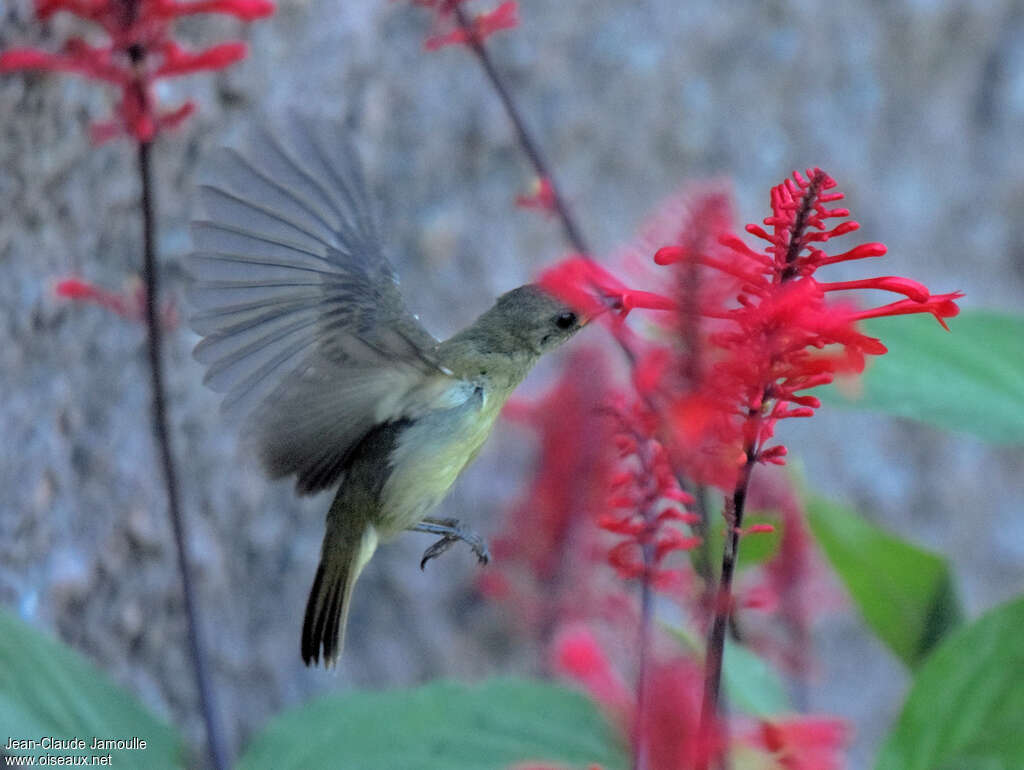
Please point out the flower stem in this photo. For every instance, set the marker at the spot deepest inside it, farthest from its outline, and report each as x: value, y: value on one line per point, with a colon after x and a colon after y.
x: 530, y: 147
x: 576, y: 240
x: 722, y: 608
x: 215, y: 739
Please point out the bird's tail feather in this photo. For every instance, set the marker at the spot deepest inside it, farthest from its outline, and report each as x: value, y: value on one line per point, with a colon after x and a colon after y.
x: 327, y: 608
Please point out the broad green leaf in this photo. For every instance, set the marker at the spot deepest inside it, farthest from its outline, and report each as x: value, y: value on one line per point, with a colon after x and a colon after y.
x: 750, y: 682
x: 48, y: 689
x: 488, y: 726
x: 904, y: 592
x: 965, y: 709
x: 970, y: 379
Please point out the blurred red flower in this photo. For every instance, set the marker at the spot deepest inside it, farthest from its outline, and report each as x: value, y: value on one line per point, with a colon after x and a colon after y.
x: 139, y: 52
x: 129, y: 304
x: 545, y: 556
x: 505, y: 16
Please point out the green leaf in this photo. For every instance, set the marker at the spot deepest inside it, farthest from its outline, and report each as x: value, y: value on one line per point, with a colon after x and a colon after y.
x: 488, y: 726
x: 965, y: 708
x: 750, y: 682
x: 756, y: 548
x: 48, y: 689
x: 970, y: 379
x: 904, y: 592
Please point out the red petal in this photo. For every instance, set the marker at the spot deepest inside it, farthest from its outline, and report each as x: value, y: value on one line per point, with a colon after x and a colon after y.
x: 246, y: 10
x: 912, y: 289
x: 180, y: 62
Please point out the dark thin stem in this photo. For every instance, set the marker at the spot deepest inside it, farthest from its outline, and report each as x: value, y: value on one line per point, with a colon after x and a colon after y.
x: 214, y: 735
x: 530, y: 147
x: 715, y: 651
x: 575, y: 238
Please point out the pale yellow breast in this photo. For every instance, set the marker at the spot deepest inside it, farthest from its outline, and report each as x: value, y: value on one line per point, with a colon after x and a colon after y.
x: 430, y: 455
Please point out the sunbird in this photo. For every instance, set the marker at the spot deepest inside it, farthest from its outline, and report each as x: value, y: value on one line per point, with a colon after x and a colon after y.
x: 331, y: 378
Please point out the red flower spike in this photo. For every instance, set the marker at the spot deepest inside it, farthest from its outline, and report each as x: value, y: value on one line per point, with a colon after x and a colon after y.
x: 639, y: 495
x: 763, y: 330
x: 140, y: 51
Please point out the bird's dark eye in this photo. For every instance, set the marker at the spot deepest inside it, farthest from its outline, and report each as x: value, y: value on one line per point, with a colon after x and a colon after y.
x: 565, y: 320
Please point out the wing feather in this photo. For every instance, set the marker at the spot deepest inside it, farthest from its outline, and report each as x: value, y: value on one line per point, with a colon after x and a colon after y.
x: 304, y: 329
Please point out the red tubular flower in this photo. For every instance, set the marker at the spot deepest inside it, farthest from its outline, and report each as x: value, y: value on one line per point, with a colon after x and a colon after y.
x: 592, y: 290
x: 129, y: 304
x: 126, y: 306
x: 505, y: 16
x: 140, y: 51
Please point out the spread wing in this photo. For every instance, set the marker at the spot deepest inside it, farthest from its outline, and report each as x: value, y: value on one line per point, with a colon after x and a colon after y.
x: 304, y: 329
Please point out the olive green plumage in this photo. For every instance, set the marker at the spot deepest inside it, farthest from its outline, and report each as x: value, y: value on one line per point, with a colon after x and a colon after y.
x: 333, y: 380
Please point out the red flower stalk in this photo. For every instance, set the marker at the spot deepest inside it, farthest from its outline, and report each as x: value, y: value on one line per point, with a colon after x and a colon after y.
x: 139, y: 51
x: 753, y: 333
x: 770, y: 348
x: 644, y: 501
x: 505, y: 16
x: 780, y: 337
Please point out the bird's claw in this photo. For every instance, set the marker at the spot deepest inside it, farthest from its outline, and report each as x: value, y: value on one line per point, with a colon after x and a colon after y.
x: 473, y: 540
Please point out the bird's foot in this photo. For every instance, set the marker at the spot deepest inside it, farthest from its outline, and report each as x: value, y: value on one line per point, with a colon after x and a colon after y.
x: 451, y: 532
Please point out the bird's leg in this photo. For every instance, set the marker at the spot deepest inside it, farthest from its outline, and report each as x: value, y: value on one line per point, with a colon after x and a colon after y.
x: 451, y: 532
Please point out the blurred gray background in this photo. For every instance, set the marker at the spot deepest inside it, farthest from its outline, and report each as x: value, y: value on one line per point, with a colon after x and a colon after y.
x: 917, y: 109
